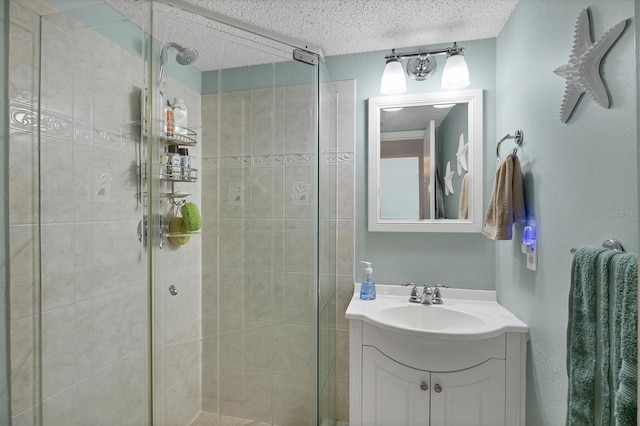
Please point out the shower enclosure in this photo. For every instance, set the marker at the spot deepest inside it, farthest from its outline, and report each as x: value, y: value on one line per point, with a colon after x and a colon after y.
x: 142, y: 321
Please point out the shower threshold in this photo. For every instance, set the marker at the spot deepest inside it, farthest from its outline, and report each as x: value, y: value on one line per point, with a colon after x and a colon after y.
x: 212, y: 419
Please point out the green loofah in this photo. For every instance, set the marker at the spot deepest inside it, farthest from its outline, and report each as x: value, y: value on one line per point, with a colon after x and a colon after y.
x: 177, y: 226
x: 191, y: 217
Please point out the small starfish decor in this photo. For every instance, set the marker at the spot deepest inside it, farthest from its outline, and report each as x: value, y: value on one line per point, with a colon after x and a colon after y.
x: 448, y: 180
x: 582, y: 72
x: 461, y: 155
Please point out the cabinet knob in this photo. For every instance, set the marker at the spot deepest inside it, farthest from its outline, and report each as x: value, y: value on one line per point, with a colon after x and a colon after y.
x: 437, y: 388
x: 424, y: 386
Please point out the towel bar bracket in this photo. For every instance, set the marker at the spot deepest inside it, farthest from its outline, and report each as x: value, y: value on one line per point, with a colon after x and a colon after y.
x: 608, y: 244
x: 612, y: 245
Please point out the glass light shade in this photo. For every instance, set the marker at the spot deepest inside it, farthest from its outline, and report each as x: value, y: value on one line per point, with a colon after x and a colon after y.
x: 393, y: 81
x: 455, y: 74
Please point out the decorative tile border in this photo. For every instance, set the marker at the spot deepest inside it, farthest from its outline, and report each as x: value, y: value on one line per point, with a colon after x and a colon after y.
x: 83, y: 133
x: 339, y: 157
x: 271, y: 160
x: 24, y: 117
x: 107, y: 139
x: 298, y: 159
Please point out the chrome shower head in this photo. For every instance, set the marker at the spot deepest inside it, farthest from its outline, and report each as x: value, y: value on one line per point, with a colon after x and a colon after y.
x: 185, y: 55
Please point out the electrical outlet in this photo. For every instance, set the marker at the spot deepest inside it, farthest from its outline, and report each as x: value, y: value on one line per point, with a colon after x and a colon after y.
x: 532, y: 259
x: 532, y: 256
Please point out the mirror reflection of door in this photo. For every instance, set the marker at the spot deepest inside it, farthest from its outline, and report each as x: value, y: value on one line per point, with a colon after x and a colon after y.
x: 405, y: 174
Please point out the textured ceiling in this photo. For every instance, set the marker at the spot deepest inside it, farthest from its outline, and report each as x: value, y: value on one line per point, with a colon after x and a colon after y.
x: 336, y: 26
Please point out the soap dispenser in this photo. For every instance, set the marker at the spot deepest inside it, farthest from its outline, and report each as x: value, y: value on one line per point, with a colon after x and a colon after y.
x: 367, y: 287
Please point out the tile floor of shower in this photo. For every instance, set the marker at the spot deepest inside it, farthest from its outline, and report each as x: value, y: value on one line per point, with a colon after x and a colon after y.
x: 211, y: 419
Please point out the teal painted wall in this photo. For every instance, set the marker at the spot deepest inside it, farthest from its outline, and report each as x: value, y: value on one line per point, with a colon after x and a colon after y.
x: 460, y: 260
x: 278, y: 74
x: 581, y: 184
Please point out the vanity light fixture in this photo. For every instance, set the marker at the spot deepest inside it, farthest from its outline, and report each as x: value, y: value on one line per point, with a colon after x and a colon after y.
x: 421, y: 65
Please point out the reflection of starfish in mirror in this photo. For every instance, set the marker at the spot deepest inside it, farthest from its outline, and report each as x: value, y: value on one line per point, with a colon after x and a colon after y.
x: 582, y: 72
x: 448, y: 180
x: 461, y: 155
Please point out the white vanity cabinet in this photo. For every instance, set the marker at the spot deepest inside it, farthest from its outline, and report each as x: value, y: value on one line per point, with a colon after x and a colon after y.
x: 404, y: 379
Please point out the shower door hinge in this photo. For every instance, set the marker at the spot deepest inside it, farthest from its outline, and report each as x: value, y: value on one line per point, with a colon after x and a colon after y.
x: 306, y: 57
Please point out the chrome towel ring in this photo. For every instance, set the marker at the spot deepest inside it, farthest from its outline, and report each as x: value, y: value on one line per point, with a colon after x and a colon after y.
x: 518, y: 136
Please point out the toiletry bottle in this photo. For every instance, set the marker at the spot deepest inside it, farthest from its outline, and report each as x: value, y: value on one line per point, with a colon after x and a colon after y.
x: 165, y: 159
x: 173, y: 166
x: 185, y: 162
x: 367, y: 287
x: 179, y: 116
x: 169, y: 123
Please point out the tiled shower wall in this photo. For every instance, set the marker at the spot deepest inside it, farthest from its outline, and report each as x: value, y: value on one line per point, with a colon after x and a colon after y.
x: 345, y: 243
x: 177, y: 322
x: 94, y: 281
x: 23, y: 208
x: 258, y: 310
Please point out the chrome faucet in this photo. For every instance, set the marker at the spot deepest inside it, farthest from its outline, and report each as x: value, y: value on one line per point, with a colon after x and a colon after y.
x: 429, y: 296
x: 414, y: 298
x: 437, y: 297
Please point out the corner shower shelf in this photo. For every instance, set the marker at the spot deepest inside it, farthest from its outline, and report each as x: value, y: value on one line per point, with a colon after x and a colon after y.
x: 188, y: 139
x: 182, y: 234
x: 175, y: 195
x: 191, y: 176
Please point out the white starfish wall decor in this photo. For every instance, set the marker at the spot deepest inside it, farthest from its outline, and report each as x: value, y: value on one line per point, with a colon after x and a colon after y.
x: 461, y: 155
x: 582, y: 72
x: 448, y: 180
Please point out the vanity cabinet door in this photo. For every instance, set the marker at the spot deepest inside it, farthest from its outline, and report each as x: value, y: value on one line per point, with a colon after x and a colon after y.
x: 392, y: 393
x: 472, y: 397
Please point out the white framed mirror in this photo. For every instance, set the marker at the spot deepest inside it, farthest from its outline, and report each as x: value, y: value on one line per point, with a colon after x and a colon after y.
x: 425, y: 162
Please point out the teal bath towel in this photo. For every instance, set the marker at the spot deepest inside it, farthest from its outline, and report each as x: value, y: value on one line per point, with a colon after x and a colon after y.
x: 626, y: 329
x: 604, y: 288
x: 582, y: 337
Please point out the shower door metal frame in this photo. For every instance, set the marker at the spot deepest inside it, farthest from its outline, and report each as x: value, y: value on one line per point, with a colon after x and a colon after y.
x: 253, y: 29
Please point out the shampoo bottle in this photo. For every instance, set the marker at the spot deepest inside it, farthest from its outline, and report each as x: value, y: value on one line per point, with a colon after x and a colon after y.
x: 185, y: 162
x: 367, y: 287
x: 179, y: 116
x: 173, y: 165
x: 169, y: 122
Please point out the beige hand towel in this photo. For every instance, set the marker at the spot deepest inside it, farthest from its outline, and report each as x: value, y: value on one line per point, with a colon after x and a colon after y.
x: 463, y: 209
x: 507, y: 201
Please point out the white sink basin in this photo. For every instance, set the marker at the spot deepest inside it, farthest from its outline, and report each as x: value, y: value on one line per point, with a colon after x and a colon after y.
x: 465, y: 314
x: 436, y: 318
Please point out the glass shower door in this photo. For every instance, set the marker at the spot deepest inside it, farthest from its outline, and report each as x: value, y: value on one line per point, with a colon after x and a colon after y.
x: 238, y: 341
x: 5, y: 400
x: 94, y: 344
